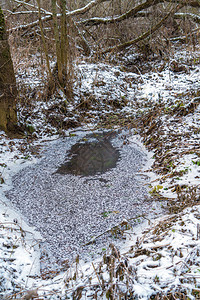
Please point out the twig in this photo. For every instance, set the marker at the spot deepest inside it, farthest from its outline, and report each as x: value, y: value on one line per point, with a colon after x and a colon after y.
x: 144, y: 35
x: 97, y: 274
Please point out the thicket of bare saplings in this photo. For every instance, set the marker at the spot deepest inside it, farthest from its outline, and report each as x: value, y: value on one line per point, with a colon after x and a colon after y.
x: 62, y: 29
x: 103, y: 25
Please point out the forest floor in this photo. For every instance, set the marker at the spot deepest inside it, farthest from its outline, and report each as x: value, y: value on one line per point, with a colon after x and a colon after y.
x: 159, y: 103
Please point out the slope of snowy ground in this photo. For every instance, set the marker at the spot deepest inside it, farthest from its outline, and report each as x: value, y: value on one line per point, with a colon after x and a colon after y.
x: 159, y: 258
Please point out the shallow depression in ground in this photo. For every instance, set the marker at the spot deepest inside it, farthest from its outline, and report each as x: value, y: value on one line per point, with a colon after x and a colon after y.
x: 70, y: 209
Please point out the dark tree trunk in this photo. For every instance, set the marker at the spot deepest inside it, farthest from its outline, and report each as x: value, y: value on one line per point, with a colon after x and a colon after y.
x: 8, y: 90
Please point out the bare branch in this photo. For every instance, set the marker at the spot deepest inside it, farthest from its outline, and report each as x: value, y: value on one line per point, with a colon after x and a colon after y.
x: 19, y: 5
x: 95, y: 21
x: 86, y: 8
x: 185, y: 37
x: 144, y: 35
x: 192, y: 3
x: 32, y: 6
x: 135, y: 12
x: 194, y: 17
x: 30, y: 25
x: 49, y: 17
x: 131, y: 13
x: 25, y: 12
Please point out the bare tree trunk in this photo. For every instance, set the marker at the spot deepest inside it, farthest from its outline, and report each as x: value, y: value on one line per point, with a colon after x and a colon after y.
x: 57, y: 40
x: 63, y: 35
x: 43, y: 40
x: 63, y: 54
x: 8, y: 90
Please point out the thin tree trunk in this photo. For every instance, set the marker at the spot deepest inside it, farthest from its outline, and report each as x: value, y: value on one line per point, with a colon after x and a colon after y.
x: 43, y: 40
x: 57, y: 40
x: 8, y: 90
x: 64, y: 38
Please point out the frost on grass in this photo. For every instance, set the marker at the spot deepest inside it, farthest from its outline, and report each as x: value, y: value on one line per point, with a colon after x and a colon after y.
x: 164, y: 259
x: 18, y: 262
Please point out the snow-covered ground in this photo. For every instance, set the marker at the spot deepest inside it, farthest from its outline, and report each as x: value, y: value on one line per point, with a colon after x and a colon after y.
x: 160, y: 256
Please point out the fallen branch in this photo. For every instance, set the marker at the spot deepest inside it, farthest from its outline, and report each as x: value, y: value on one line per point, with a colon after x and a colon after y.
x: 109, y: 20
x: 26, y: 12
x: 26, y: 3
x: 135, y: 12
x: 143, y: 36
x: 131, y: 13
x: 49, y: 17
x: 19, y: 5
x: 194, y: 17
x: 86, y: 8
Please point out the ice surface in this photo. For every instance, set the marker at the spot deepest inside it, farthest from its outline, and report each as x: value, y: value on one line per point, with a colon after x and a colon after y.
x: 69, y: 210
x: 93, y: 155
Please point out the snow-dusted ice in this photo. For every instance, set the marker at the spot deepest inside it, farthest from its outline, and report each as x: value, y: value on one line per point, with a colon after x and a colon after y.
x: 69, y: 210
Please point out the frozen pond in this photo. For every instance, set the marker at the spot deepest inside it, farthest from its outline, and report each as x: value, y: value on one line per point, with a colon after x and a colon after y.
x: 81, y: 186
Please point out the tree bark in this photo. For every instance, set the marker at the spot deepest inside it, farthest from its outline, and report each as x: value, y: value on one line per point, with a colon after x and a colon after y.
x: 8, y: 90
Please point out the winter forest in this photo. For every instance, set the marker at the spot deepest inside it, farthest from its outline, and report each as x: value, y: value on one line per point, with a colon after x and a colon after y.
x: 100, y: 149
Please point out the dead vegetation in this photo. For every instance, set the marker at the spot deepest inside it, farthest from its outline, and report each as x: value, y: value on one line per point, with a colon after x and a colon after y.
x: 105, y: 28
x: 96, y: 29
x: 115, y: 276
